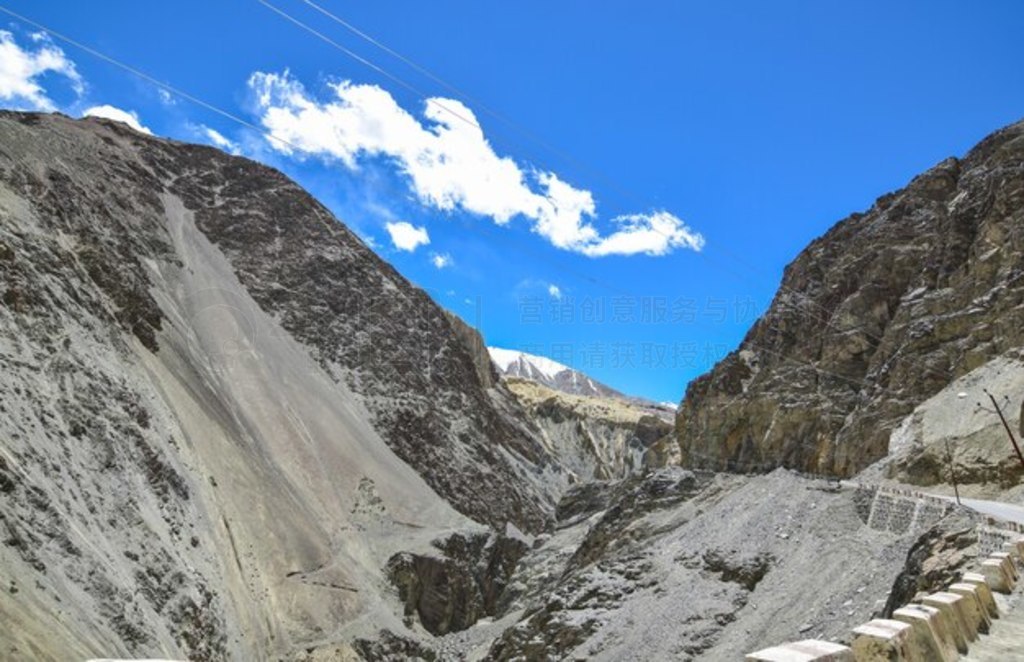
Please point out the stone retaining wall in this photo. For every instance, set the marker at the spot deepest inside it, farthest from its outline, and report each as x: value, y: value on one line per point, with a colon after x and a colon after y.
x: 902, y: 511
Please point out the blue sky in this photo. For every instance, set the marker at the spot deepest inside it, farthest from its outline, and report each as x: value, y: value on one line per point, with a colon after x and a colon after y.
x: 744, y: 129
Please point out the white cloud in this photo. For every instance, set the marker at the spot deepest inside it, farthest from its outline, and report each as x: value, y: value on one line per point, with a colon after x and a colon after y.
x: 21, y: 69
x: 406, y: 236
x: 441, y: 260
x: 218, y: 139
x: 649, y: 234
x: 555, y: 291
x: 166, y: 97
x: 450, y: 163
x: 129, y: 117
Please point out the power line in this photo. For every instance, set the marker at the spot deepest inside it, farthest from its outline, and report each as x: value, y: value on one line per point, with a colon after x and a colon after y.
x: 174, y: 90
x: 803, y: 298
x: 430, y: 100
x: 380, y: 70
x: 231, y: 116
x: 140, y: 74
x: 449, y: 86
x: 476, y: 102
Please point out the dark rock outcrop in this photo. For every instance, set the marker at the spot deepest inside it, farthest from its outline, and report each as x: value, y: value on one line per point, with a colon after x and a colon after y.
x: 630, y: 500
x: 871, y: 319
x: 470, y: 337
x: 748, y: 573
x: 389, y: 646
x: 935, y: 561
x: 452, y: 592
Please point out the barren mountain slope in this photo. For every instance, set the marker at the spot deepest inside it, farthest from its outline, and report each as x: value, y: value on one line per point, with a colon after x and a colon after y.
x: 676, y: 566
x: 220, y: 413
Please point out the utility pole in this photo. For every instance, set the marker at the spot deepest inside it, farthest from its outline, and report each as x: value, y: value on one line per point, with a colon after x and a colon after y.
x: 1006, y: 425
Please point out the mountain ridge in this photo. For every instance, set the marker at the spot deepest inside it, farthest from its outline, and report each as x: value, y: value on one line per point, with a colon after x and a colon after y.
x: 560, y: 377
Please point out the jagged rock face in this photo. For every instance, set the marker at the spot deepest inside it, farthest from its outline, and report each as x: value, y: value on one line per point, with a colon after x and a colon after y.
x: 472, y: 340
x: 221, y: 413
x: 871, y: 319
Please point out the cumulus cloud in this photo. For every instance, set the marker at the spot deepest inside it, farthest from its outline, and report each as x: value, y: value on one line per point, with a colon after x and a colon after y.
x: 129, y: 117
x: 441, y: 260
x: 555, y: 291
x: 406, y: 236
x: 450, y: 163
x: 22, y: 68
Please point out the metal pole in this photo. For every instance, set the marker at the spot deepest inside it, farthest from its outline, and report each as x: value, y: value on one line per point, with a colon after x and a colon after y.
x: 1006, y: 425
x: 952, y: 471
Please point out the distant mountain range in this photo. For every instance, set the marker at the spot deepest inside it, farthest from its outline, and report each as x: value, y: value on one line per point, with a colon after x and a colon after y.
x: 555, y: 375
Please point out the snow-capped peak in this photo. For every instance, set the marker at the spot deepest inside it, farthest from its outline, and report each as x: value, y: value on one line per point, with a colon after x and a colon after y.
x: 507, y: 360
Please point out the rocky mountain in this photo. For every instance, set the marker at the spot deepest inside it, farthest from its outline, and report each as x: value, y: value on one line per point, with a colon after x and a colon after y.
x: 229, y: 431
x: 222, y: 414
x: 871, y: 320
